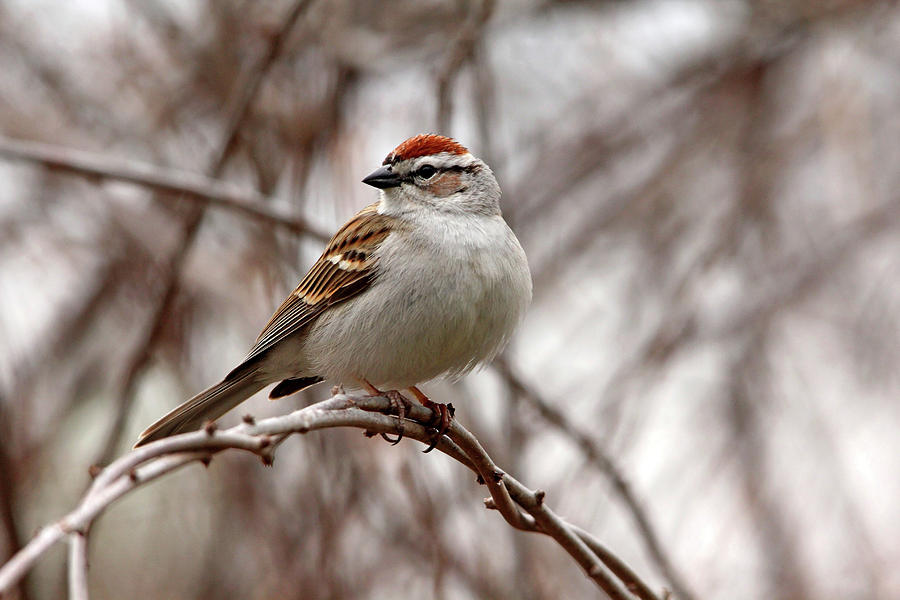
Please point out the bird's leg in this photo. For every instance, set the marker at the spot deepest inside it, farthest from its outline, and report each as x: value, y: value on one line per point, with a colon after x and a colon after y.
x: 443, y: 413
x: 399, y: 402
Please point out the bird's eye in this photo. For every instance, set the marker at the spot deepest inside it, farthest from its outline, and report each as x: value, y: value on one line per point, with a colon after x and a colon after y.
x: 426, y: 171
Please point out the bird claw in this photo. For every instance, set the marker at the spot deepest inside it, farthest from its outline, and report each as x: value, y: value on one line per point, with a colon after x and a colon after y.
x: 443, y: 414
x: 399, y: 403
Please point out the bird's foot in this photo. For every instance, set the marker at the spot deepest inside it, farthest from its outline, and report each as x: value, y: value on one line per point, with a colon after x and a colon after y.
x: 399, y: 404
x: 443, y: 416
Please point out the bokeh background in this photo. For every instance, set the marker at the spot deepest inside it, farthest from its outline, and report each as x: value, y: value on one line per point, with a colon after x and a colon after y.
x: 707, y: 191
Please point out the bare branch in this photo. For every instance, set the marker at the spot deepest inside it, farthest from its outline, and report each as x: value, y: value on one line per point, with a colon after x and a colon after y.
x: 78, y: 566
x: 598, y: 456
x: 550, y: 523
x: 183, y: 184
x: 8, y: 493
x: 492, y: 478
x: 462, y: 52
x: 525, y: 508
x: 248, y: 86
x: 621, y: 569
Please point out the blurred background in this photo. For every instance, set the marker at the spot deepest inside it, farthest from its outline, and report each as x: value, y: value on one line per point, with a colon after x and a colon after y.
x: 707, y: 381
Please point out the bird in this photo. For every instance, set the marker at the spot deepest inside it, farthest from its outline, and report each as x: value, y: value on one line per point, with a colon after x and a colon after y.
x: 427, y: 282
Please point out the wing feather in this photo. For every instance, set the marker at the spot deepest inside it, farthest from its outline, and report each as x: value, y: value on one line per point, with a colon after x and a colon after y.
x: 347, y: 267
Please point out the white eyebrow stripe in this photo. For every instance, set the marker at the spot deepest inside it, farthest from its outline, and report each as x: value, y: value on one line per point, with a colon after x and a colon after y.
x: 444, y: 160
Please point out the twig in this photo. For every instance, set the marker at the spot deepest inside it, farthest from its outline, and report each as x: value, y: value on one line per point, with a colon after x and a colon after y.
x: 22, y: 561
x: 149, y: 462
x: 554, y: 526
x: 7, y: 490
x: 462, y: 52
x: 492, y: 478
x: 621, y: 569
x: 78, y: 566
x: 601, y: 459
x: 173, y: 183
x: 249, y: 84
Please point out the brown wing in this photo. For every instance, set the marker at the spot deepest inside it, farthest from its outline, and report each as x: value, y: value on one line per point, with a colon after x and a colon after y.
x: 346, y: 268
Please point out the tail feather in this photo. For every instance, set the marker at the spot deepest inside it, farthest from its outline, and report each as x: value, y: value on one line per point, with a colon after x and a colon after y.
x: 208, y: 405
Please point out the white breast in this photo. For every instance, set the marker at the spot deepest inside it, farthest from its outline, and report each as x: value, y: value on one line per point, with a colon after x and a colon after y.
x: 447, y: 297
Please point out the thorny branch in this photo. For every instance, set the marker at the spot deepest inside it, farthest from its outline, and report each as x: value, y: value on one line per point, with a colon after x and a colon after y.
x: 522, y: 507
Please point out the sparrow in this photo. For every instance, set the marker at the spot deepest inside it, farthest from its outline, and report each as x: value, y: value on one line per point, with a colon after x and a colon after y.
x: 429, y: 281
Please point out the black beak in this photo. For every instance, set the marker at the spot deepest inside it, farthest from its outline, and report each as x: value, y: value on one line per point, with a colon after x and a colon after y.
x: 383, y: 178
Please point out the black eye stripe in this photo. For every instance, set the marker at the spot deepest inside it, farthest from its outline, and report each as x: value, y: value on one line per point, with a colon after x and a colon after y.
x: 461, y: 169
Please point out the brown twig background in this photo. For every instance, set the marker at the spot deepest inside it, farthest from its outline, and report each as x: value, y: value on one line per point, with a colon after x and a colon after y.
x: 707, y: 380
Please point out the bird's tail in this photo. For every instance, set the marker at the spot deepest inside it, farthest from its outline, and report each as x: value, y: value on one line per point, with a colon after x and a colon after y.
x: 208, y: 405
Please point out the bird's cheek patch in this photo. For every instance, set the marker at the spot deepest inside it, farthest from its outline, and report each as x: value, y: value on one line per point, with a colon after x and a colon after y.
x: 446, y: 184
